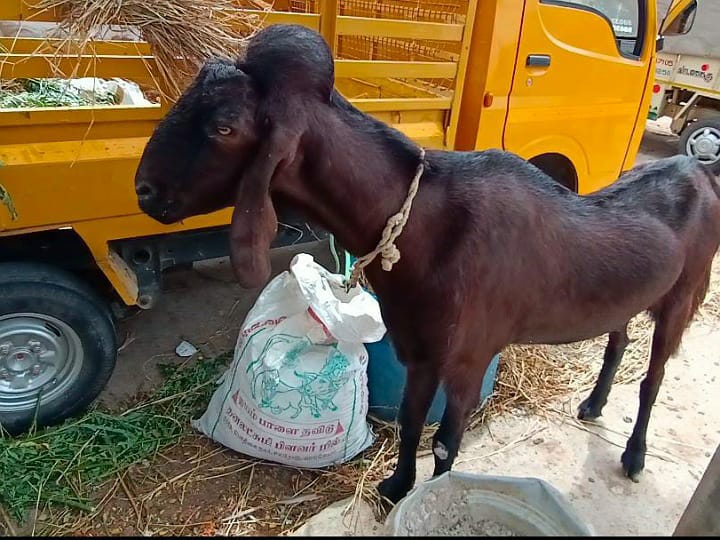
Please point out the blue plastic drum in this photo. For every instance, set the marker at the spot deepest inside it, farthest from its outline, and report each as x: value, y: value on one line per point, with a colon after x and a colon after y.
x: 386, y: 382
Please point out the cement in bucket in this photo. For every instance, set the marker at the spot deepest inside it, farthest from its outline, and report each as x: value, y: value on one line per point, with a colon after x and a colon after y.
x: 461, y: 504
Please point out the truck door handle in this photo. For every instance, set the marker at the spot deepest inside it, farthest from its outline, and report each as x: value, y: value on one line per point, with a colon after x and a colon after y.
x: 538, y: 60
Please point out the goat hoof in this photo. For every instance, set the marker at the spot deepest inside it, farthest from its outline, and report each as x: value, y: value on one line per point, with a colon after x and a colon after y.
x: 394, y: 489
x: 588, y: 411
x: 633, y: 464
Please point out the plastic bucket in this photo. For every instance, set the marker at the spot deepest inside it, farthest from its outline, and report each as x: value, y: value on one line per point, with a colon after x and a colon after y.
x: 462, y: 504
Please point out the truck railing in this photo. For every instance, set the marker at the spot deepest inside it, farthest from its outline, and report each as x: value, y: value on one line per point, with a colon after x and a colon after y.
x: 394, y: 80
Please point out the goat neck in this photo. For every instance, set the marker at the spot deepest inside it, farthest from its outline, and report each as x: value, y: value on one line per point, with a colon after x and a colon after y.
x: 351, y: 173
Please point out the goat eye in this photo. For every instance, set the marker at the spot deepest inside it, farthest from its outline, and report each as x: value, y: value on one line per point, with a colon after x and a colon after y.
x: 224, y: 130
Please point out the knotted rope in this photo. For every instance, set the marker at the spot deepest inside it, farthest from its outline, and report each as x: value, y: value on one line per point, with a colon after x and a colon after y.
x: 386, y: 248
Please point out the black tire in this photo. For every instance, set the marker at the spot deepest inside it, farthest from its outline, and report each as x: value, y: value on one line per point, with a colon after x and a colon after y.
x: 79, y: 319
x: 692, y: 130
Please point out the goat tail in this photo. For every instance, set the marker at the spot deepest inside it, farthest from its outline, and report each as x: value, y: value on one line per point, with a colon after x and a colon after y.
x: 702, y: 290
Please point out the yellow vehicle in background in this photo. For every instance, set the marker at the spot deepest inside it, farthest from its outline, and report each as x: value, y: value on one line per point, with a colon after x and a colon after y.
x: 565, y: 84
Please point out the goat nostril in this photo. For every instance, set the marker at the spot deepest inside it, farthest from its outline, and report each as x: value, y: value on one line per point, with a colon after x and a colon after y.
x: 144, y: 191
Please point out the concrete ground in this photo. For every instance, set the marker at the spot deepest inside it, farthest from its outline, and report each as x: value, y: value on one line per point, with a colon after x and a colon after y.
x: 656, y: 146
x: 204, y: 306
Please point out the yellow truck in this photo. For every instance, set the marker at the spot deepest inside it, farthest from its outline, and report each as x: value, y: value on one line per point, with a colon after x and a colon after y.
x: 529, y: 76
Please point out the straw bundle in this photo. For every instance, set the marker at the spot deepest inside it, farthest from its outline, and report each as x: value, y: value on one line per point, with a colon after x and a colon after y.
x: 182, y: 34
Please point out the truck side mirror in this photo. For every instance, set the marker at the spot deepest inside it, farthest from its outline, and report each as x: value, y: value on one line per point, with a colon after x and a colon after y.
x: 679, y: 20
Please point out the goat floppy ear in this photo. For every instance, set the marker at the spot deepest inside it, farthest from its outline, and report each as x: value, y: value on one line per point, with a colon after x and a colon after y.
x: 254, y: 221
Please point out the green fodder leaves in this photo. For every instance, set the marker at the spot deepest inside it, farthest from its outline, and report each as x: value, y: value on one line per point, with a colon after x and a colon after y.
x: 65, y: 464
x: 37, y: 93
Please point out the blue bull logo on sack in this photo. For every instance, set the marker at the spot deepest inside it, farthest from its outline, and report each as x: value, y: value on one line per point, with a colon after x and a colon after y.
x: 313, y: 390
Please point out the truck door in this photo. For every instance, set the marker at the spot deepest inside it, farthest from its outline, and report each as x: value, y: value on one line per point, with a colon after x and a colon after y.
x: 581, y: 72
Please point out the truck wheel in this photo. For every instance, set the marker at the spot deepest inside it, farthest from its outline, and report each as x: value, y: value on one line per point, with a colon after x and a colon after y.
x: 701, y: 140
x: 57, y: 345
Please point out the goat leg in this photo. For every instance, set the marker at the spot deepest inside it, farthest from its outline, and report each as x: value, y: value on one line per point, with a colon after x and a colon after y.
x: 463, y: 394
x: 592, y: 407
x: 669, y: 326
x: 420, y: 388
x: 254, y: 221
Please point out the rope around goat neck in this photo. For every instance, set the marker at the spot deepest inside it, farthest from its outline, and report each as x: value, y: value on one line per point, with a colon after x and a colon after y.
x: 386, y: 248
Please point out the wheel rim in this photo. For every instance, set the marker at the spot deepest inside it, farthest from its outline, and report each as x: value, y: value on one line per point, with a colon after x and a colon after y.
x: 704, y: 145
x: 38, y: 353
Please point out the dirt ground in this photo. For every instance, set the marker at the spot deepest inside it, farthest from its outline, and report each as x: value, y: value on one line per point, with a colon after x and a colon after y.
x: 201, y: 488
x: 203, y: 306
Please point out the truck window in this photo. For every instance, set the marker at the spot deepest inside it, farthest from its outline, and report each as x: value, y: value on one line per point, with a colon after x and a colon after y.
x: 626, y: 17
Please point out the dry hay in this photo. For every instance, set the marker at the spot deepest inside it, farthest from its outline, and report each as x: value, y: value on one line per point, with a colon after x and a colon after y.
x: 182, y: 34
x: 356, y: 480
x: 223, y: 493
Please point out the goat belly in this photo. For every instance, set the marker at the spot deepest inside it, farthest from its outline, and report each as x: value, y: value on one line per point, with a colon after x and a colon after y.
x: 566, y: 335
x: 591, y: 317
x: 554, y: 327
